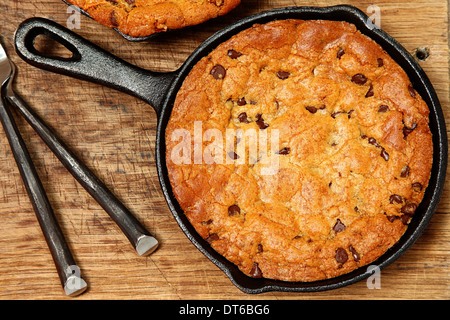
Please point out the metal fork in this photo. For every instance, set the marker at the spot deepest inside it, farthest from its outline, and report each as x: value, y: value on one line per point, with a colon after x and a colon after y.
x: 73, y: 284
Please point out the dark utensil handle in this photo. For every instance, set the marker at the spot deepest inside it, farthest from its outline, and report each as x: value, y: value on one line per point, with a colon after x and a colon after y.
x: 59, y: 249
x: 90, y: 62
x: 140, y: 238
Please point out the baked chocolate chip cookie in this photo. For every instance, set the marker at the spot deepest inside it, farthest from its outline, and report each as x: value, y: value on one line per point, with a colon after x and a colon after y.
x: 140, y: 18
x: 345, y: 135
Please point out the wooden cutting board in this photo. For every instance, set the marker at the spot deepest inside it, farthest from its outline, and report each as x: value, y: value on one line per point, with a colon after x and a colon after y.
x: 114, y: 134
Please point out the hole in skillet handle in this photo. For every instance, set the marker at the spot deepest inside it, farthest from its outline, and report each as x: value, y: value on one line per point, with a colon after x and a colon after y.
x: 46, y: 44
x: 48, y: 47
x: 437, y: 125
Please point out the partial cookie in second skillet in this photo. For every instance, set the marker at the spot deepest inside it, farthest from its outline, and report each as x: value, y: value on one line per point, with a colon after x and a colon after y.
x: 138, y: 19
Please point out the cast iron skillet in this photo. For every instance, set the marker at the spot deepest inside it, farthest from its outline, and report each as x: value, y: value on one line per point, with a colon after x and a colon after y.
x: 160, y: 89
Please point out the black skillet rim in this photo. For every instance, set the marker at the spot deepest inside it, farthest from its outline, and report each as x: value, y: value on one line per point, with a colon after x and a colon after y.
x: 420, y: 82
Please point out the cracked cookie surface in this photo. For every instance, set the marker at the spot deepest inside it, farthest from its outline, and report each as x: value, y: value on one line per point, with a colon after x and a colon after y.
x: 354, y: 153
x: 140, y: 18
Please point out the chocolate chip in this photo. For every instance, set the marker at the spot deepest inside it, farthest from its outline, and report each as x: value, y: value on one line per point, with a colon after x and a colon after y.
x: 405, y: 219
x: 311, y: 109
x: 384, y: 154
x: 340, y: 53
x: 234, y: 210
x: 260, y: 248
x: 208, y: 222
x: 408, y: 130
x: 338, y: 227
x: 233, y: 155
x: 283, y: 75
x: 392, y: 218
x: 405, y: 172
x: 260, y: 122
x: 383, y: 108
x: 370, y: 92
x: 130, y: 2
x: 242, y: 117
x: 380, y: 62
x: 356, y: 209
x: 241, y: 102
x: 113, y: 19
x: 409, y: 209
x: 218, y: 72
x: 359, y: 78
x: 412, y: 92
x: 395, y: 198
x: 256, y: 271
x: 212, y: 237
x: 373, y: 141
x: 233, y: 54
x: 417, y: 186
x: 355, y: 254
x: 341, y: 255
x: 350, y: 113
x: 285, y: 151
x: 335, y: 114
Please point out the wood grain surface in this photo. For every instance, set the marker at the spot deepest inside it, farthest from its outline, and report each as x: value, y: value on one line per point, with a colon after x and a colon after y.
x: 114, y: 134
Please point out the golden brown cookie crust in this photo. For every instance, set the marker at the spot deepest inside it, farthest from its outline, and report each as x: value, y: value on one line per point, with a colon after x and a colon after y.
x: 140, y: 18
x: 355, y: 150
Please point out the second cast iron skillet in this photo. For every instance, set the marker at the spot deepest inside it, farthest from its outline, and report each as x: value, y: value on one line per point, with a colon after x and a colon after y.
x: 159, y: 90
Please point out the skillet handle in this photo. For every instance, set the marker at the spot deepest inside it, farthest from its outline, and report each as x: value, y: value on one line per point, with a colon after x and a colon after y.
x: 90, y: 62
